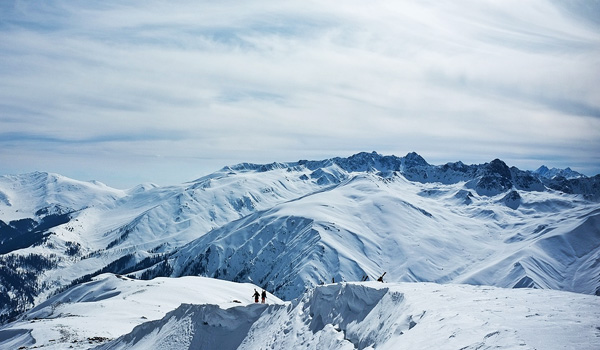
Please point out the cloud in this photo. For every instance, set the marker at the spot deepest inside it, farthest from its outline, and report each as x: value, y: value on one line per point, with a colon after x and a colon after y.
x: 276, y: 81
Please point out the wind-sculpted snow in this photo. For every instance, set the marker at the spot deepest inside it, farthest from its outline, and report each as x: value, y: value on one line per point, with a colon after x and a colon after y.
x: 382, y: 316
x: 193, y: 327
x: 111, y: 306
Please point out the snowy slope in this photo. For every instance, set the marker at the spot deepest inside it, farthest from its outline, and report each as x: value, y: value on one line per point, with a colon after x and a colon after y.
x: 373, y: 315
x: 290, y: 226
x: 111, y: 306
x: 367, y: 225
x: 22, y: 196
x: 105, y: 230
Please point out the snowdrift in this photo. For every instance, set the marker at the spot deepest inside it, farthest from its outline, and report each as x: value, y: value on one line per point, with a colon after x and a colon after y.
x: 373, y: 315
x: 112, y: 305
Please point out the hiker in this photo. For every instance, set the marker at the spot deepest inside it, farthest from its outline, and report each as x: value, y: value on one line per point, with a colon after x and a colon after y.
x: 263, y: 296
x: 255, y: 295
x: 380, y: 279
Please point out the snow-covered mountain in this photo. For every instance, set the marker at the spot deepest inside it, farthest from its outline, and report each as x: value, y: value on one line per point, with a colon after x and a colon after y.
x: 290, y: 226
x: 368, y: 225
x: 567, y: 173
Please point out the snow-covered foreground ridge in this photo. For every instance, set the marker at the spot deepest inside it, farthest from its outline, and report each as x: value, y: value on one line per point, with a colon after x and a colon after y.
x: 383, y: 316
x: 116, y: 312
x: 112, y: 305
x: 288, y: 227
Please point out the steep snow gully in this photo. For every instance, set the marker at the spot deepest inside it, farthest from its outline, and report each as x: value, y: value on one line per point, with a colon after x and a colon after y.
x: 372, y: 315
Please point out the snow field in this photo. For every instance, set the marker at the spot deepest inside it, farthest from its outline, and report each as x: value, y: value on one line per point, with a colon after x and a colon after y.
x: 110, y: 306
x: 373, y: 315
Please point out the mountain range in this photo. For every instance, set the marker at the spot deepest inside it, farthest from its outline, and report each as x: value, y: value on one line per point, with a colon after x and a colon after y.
x: 288, y: 227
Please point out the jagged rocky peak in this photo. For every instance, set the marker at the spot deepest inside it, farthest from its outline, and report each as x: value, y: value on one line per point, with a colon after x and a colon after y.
x: 526, y: 180
x: 365, y: 161
x: 362, y: 161
x: 375, y: 162
x: 542, y: 170
x: 487, y: 179
x: 413, y: 159
x: 493, y: 178
x: 567, y: 173
x: 497, y: 167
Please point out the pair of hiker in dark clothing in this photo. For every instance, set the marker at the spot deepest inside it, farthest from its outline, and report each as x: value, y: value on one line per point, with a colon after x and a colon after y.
x: 263, y: 296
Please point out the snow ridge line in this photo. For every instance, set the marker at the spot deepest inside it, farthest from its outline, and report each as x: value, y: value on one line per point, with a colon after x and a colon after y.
x: 194, y: 327
x: 343, y: 312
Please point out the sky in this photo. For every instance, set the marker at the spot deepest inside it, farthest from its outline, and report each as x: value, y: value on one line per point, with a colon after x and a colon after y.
x: 127, y: 92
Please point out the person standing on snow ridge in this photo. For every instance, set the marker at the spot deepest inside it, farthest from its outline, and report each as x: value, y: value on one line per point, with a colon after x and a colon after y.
x: 264, y: 296
x: 255, y: 295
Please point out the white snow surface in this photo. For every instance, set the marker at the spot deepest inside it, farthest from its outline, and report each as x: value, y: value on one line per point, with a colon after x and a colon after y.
x: 373, y: 315
x: 290, y: 227
x: 22, y: 195
x: 112, y: 305
x: 115, y: 312
x: 416, y: 232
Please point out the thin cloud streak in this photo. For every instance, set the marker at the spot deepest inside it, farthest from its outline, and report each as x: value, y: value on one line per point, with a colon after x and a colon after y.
x: 269, y: 81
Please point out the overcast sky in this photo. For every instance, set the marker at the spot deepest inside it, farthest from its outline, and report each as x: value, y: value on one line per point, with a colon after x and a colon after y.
x: 126, y: 92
